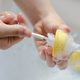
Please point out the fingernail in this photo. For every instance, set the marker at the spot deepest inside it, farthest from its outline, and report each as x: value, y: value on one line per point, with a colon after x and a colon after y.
x: 2, y: 17
x: 27, y: 33
x: 49, y: 52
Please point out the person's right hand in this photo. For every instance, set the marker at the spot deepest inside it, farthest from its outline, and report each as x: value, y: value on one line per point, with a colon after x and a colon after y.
x: 50, y: 24
x: 12, y: 34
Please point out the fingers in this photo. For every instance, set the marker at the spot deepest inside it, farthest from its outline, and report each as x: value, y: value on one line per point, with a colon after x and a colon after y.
x: 41, y: 49
x: 64, y: 27
x: 62, y: 64
x: 8, y: 17
x: 49, y: 60
x: 52, y: 25
x: 7, y: 42
x: 14, y: 30
x: 61, y: 27
x: 21, y: 19
x: 45, y: 53
x: 48, y: 56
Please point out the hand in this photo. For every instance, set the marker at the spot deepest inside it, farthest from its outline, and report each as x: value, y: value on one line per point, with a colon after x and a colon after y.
x: 8, y: 17
x: 49, y: 24
x: 12, y: 34
x: 45, y: 20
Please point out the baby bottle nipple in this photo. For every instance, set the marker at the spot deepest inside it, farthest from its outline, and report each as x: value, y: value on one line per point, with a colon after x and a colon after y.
x: 63, y: 45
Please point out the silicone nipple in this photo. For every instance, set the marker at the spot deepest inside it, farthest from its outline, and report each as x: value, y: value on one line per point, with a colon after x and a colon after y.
x: 63, y: 45
x: 59, y: 43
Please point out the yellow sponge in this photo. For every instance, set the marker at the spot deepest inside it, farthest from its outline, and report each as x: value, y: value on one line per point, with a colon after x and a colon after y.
x: 75, y: 60
x: 59, y: 43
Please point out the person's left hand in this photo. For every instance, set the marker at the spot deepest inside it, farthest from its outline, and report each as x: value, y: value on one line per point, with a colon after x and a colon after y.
x: 49, y: 24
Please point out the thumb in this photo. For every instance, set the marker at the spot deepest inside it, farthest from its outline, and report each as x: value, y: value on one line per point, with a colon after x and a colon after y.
x: 51, y: 27
x: 14, y: 30
x: 64, y: 27
x: 61, y: 27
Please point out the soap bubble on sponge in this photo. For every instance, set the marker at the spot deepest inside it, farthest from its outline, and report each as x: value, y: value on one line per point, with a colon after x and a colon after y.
x: 68, y: 44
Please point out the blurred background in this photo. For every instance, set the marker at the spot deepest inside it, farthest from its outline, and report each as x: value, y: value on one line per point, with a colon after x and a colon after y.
x: 22, y: 62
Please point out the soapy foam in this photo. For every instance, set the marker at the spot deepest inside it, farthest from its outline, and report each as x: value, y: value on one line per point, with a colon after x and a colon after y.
x: 50, y: 41
x: 70, y: 46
